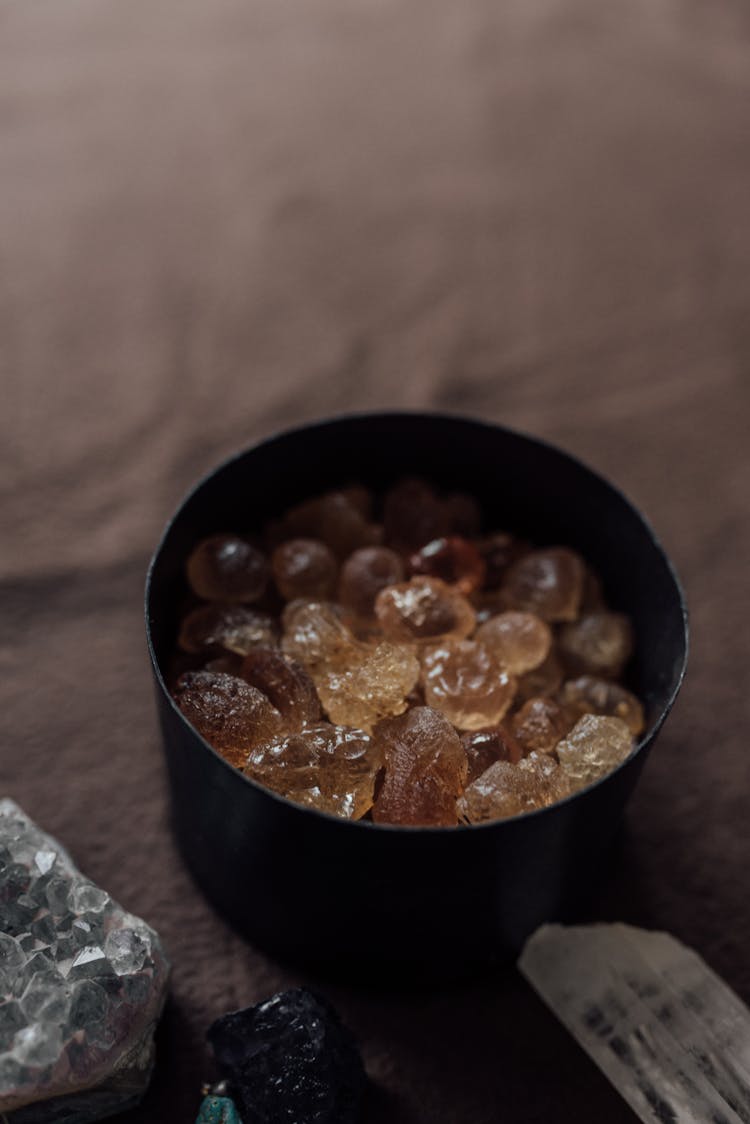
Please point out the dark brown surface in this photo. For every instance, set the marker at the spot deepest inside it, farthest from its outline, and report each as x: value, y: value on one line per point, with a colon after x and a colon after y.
x: 220, y: 218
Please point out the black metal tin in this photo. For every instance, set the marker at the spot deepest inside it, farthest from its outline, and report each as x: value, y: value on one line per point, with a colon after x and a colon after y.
x: 341, y: 895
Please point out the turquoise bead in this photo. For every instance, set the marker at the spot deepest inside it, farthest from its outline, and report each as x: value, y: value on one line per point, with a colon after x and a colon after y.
x: 218, y: 1110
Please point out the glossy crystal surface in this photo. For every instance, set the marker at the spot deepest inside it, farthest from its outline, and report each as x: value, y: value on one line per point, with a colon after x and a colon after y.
x: 425, y: 770
x: 594, y: 747
x: 82, y: 985
x: 465, y: 682
x: 331, y: 768
x: 424, y: 610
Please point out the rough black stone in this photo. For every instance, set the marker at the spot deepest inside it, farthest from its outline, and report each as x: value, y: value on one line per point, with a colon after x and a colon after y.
x: 290, y: 1060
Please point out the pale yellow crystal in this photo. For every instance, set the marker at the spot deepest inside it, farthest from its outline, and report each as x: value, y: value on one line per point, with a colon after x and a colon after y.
x: 594, y: 747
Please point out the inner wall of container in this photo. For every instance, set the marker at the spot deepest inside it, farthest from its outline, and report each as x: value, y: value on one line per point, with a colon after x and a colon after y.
x: 523, y: 486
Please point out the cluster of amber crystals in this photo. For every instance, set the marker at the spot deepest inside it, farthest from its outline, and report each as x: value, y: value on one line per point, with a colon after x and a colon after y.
x: 394, y: 662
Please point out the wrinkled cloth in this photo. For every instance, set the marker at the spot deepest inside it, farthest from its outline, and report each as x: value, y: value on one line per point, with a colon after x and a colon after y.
x: 219, y: 219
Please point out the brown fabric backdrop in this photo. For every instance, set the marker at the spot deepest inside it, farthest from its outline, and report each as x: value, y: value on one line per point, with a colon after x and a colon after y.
x: 220, y: 218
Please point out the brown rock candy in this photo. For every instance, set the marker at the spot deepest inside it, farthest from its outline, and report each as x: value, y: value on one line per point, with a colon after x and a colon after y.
x: 229, y: 663
x: 286, y: 685
x: 370, y: 682
x: 588, y: 695
x: 211, y: 629
x: 464, y: 681
x: 484, y: 747
x: 507, y: 790
x: 364, y: 574
x: 415, y: 696
x: 334, y: 518
x: 543, y: 680
x: 425, y: 770
x: 592, y: 600
x: 315, y: 635
x: 454, y: 560
x: 357, y: 683
x: 227, y: 712
x: 540, y: 724
x: 227, y: 568
x: 331, y: 768
x: 413, y: 515
x: 304, y: 568
x: 463, y: 514
x: 488, y: 603
x: 547, y: 582
x: 499, y: 551
x: 597, y: 644
x: 423, y: 610
x: 594, y: 747
x: 360, y: 498
x: 519, y: 641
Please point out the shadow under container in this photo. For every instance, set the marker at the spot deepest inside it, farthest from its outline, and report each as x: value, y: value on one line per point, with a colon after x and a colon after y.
x: 365, y: 898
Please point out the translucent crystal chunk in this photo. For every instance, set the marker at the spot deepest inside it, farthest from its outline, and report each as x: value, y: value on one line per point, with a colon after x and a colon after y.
x: 37, y: 1045
x: 45, y: 860
x: 594, y: 747
x: 69, y: 1025
x: 332, y: 768
x: 88, y: 898
x: 127, y: 950
x: 672, y: 1038
x: 12, y: 955
x: 90, y: 961
x: 47, y: 998
x: 12, y: 1019
x: 88, y: 1005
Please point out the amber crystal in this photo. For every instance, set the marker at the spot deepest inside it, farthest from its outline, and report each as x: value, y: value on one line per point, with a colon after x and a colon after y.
x: 335, y: 518
x: 413, y: 515
x: 597, y: 644
x: 357, y: 683
x: 315, y: 635
x: 423, y: 610
x: 488, y: 603
x: 364, y: 574
x: 227, y: 568
x: 540, y: 724
x: 229, y: 713
x: 498, y: 551
x: 331, y: 768
x: 230, y: 663
x: 211, y: 629
x: 592, y: 600
x: 368, y: 682
x: 464, y: 681
x: 507, y: 790
x: 463, y: 514
x: 360, y: 498
x: 588, y: 695
x: 304, y: 568
x: 285, y: 683
x: 454, y: 560
x: 425, y: 770
x: 484, y: 747
x: 547, y: 582
x: 519, y: 641
x: 543, y: 680
x: 594, y: 747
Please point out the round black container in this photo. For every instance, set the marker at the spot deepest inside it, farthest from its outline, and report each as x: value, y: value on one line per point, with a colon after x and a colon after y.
x: 341, y: 895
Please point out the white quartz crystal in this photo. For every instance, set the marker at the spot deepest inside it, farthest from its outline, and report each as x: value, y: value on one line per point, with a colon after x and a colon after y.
x: 672, y: 1038
x: 82, y: 985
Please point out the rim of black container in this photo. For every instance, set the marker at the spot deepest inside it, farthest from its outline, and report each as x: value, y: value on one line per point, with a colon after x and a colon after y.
x: 364, y: 415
